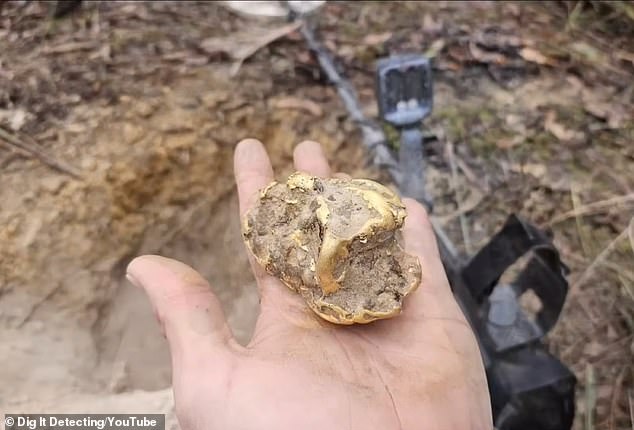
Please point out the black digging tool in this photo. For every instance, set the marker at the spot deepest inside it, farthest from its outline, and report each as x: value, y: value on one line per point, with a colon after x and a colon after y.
x: 530, y: 388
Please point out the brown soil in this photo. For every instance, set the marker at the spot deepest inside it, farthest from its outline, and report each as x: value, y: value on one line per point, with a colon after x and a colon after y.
x: 533, y: 114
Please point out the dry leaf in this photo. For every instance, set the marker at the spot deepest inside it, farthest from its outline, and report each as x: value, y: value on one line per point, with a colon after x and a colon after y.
x: 176, y: 55
x: 588, y: 52
x: 76, y: 128
x: 377, y: 39
x: 537, y: 170
x: 612, y: 113
x: 435, y: 48
x: 448, y: 65
x: 347, y: 51
x: 496, y: 40
x: 299, y: 104
x: 214, y: 98
x: 516, y: 123
x: 509, y: 142
x: 430, y: 25
x: 624, y: 55
x: 534, y: 169
x: 513, y: 8
x: 593, y: 349
x: 104, y: 53
x: 14, y: 118
x: 485, y: 56
x: 241, y: 45
x: 559, y: 130
x: 534, y: 56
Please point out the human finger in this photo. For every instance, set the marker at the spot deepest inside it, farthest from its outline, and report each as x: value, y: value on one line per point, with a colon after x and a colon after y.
x: 309, y: 157
x: 252, y: 170
x: 190, y: 313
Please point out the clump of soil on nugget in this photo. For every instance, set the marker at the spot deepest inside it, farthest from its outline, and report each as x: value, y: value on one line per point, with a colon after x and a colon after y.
x: 335, y: 242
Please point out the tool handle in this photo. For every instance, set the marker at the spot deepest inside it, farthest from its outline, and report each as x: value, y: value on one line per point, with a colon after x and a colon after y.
x: 412, y: 166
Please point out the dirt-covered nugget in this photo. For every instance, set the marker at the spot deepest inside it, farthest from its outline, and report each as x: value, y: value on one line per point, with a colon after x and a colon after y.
x: 336, y: 243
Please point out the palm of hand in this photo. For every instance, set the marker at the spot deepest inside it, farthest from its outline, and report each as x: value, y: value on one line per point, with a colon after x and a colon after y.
x: 421, y: 369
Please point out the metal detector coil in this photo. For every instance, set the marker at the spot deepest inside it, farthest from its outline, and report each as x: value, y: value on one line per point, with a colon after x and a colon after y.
x: 405, y: 98
x: 404, y: 87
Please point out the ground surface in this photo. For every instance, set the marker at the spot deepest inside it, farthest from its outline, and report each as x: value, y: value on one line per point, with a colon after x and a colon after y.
x: 533, y: 114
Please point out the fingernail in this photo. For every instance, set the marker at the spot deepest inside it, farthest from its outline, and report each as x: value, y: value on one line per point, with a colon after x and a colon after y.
x: 133, y: 280
x: 246, y: 146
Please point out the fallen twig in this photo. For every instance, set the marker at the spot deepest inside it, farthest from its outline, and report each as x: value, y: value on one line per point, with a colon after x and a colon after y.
x: 585, y: 242
x: 71, y: 46
x: 631, y: 233
x: 469, y: 204
x: 31, y: 149
x: 454, y: 181
x: 598, y: 261
x: 470, y: 175
x: 15, y: 149
x: 592, y: 208
x: 617, y: 269
x: 591, y: 397
x: 616, y: 393
x: 9, y: 158
x: 631, y: 404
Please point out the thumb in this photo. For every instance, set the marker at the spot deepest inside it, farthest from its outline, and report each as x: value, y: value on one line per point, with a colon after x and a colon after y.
x: 188, y: 310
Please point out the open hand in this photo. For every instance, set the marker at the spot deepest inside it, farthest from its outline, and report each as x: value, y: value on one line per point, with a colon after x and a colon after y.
x: 419, y: 370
